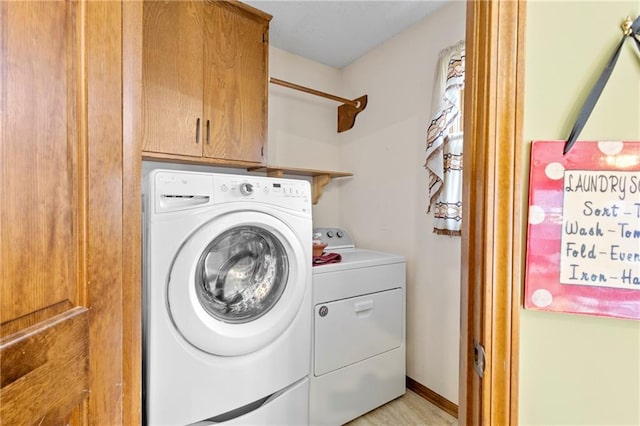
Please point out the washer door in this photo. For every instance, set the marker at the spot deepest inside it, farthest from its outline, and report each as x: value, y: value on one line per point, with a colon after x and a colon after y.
x: 237, y: 283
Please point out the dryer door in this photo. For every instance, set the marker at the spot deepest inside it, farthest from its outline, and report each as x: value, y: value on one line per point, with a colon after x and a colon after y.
x: 237, y: 283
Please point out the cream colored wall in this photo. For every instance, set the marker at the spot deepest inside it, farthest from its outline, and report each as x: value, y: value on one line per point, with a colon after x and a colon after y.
x: 579, y: 370
x: 384, y: 204
x: 302, y: 127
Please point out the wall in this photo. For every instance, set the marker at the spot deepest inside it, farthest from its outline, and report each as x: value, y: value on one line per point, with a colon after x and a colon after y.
x: 302, y: 127
x: 384, y: 205
x: 578, y: 370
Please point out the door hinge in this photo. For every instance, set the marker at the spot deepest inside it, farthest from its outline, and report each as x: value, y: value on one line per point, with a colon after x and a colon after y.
x: 478, y: 358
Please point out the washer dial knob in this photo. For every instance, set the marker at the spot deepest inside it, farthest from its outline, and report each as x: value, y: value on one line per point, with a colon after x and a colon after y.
x: 246, y: 188
x: 340, y: 234
x: 330, y: 234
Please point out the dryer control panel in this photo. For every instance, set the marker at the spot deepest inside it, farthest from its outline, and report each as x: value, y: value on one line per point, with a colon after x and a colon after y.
x: 336, y: 238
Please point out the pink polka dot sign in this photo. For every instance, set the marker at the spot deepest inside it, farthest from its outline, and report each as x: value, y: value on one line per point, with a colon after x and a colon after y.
x: 583, y: 241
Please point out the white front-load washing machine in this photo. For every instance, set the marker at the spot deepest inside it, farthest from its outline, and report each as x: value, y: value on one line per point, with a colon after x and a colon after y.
x: 227, y: 299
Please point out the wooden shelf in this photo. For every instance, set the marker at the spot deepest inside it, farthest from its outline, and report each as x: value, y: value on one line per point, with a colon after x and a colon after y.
x: 320, y: 178
x: 204, y: 161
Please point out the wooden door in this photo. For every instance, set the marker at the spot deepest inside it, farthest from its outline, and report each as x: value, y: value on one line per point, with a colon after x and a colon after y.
x: 491, y: 256
x: 60, y: 213
x: 43, y: 315
x: 235, y: 97
x: 172, y: 76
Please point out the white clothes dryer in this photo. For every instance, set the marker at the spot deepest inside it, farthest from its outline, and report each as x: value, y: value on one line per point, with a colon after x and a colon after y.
x: 358, y: 347
x: 227, y: 299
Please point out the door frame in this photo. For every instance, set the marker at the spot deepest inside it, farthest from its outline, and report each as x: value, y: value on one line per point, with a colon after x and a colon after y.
x: 493, y: 144
x: 492, y: 239
x: 132, y: 212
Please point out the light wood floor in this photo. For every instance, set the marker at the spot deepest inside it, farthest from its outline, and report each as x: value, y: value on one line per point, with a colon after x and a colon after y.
x: 408, y: 410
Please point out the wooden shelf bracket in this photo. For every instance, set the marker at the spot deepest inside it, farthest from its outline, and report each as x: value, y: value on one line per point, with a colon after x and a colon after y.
x: 317, y: 185
x: 347, y: 112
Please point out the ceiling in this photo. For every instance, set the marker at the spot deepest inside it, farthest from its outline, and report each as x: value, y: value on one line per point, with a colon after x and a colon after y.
x: 336, y: 33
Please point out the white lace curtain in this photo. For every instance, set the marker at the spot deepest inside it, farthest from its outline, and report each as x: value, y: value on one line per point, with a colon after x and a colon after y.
x: 444, y: 143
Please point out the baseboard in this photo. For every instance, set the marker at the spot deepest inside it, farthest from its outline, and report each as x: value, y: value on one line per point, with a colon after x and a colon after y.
x: 435, y: 398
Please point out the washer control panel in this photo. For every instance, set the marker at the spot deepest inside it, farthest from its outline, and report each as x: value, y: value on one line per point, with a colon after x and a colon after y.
x: 180, y: 190
x: 288, y: 192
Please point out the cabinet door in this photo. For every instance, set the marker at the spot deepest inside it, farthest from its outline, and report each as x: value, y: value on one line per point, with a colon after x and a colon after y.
x: 44, y: 344
x: 172, y: 77
x: 235, y: 96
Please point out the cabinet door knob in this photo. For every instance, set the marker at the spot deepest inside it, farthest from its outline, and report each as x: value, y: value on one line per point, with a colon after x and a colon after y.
x: 208, y: 132
x: 198, y: 130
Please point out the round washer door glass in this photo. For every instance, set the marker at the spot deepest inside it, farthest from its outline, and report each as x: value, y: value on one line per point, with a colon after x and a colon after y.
x: 241, y: 274
x: 238, y: 282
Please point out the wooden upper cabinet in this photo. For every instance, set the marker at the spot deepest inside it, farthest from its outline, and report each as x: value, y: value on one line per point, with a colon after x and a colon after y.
x: 236, y: 83
x: 173, y: 77
x: 205, y: 80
